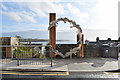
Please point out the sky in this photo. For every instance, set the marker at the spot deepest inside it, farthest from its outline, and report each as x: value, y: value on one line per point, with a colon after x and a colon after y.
x: 34, y: 15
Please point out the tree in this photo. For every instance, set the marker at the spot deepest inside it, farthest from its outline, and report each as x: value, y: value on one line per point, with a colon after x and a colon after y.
x: 119, y: 39
x: 109, y: 39
x: 18, y: 36
x: 97, y: 39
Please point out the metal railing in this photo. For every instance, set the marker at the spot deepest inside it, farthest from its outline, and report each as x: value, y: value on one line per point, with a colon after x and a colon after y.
x: 26, y: 54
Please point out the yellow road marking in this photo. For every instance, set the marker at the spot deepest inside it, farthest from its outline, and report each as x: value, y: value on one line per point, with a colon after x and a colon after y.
x: 118, y: 73
x: 52, y: 73
x: 32, y: 72
x: 106, y: 72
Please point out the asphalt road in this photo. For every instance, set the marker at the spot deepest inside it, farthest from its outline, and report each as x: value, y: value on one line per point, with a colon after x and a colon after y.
x: 71, y: 76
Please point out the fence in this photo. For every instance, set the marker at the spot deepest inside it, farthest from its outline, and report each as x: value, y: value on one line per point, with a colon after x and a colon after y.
x: 25, y: 54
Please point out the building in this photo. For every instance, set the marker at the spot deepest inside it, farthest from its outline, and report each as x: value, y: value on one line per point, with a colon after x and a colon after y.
x: 6, y: 46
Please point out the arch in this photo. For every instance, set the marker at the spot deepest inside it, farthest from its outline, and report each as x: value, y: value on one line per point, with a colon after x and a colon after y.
x: 55, y: 22
x: 74, y: 25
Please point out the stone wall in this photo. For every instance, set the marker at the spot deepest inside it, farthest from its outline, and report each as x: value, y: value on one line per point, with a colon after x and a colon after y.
x: 92, y: 51
x: 109, y: 52
x: 101, y: 51
x: 65, y: 47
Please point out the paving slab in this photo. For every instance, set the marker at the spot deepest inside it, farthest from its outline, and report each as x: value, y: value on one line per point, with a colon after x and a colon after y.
x: 38, y: 68
x: 88, y: 67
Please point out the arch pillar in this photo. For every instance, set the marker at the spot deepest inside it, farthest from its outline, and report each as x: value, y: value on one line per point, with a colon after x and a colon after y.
x: 81, y: 53
x: 52, y: 34
x: 82, y: 47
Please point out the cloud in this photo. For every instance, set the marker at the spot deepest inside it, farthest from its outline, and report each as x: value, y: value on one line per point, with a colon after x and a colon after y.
x: 3, y: 7
x: 31, y: 11
x: 13, y: 16
x: 27, y: 16
x: 19, y: 16
x: 102, y: 14
x: 39, y: 0
x: 37, y: 8
x: 41, y: 8
x: 81, y: 2
x: 106, y: 13
x: 54, y: 7
x: 76, y: 12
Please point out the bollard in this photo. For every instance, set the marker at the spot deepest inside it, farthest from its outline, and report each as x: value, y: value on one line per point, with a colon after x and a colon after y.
x: 51, y: 62
x: 18, y: 62
x: 50, y: 56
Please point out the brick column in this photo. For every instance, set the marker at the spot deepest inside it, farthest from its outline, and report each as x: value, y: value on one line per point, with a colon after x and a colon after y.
x: 52, y: 33
x: 8, y: 52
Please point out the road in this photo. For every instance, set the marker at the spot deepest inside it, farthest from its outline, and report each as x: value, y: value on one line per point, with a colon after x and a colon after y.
x: 71, y: 76
x: 61, y: 76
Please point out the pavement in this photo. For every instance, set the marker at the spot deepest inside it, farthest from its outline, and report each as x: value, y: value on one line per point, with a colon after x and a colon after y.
x: 69, y: 65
